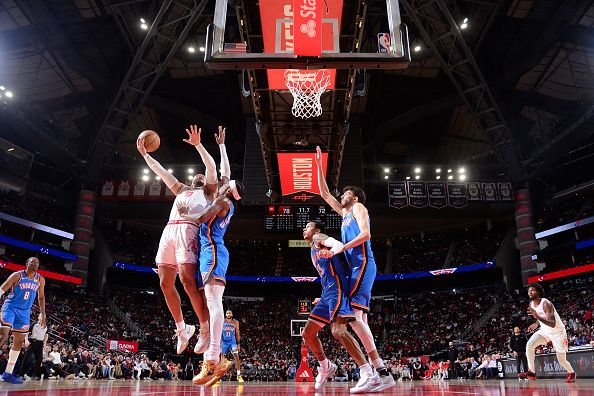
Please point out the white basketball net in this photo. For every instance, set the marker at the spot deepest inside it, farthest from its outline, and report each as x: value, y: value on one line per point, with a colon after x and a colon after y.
x: 307, y: 88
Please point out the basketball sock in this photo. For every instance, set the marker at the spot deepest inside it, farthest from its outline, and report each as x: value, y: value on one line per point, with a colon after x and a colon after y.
x: 366, y: 369
x: 205, y: 325
x: 238, y: 373
x: 378, y: 363
x: 12, y: 358
x: 325, y: 364
x: 180, y: 325
x: 214, y: 300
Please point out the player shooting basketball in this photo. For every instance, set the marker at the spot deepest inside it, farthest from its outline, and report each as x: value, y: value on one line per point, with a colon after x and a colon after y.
x: 178, y: 247
x: 214, y: 260
x: 356, y: 237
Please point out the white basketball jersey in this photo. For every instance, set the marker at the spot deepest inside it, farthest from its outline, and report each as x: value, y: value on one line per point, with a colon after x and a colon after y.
x: 559, y: 326
x: 195, y: 200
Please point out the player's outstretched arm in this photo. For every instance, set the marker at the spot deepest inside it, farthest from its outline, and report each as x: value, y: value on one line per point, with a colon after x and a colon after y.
x: 324, y: 191
x: 225, y: 167
x: 211, y: 167
x: 549, y: 316
x: 362, y: 217
x: 41, y: 300
x: 219, y: 207
x: 170, y: 181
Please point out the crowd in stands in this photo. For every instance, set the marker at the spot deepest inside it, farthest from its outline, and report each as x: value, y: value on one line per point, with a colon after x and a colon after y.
x: 135, y: 244
x: 33, y: 208
x: 413, y: 325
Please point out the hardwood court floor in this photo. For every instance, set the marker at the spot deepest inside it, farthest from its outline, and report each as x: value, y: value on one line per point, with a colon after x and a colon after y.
x: 171, y: 388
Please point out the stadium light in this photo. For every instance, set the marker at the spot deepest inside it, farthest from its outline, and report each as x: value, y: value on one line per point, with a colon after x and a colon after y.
x: 191, y: 49
x: 450, y: 177
x: 386, y: 170
x: 438, y: 170
x: 190, y: 177
x: 2, y: 88
x: 417, y: 170
x: 464, y: 24
x: 10, y: 149
x: 170, y: 170
x: 157, y: 178
x: 407, y: 177
x: 145, y: 177
x: 201, y: 49
x: 386, y: 177
x: 145, y: 171
x: 190, y: 170
x: 8, y: 94
x: 143, y: 24
x: 417, y: 177
x: 437, y: 177
x: 449, y: 171
x: 461, y: 170
x: 417, y: 48
x: 462, y: 177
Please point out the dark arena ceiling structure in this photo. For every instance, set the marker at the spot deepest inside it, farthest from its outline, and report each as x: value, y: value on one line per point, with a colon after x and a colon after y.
x: 510, y: 94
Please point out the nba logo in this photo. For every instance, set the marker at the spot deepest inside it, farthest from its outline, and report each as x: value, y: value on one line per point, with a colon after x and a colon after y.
x: 383, y: 43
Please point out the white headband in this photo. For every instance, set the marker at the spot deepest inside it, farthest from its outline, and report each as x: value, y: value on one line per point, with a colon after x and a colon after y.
x: 233, y: 187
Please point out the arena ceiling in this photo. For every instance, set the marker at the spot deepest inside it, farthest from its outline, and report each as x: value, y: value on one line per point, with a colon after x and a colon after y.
x: 66, y: 61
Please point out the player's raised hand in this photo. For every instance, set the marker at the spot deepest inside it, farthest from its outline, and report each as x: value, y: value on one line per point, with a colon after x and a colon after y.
x: 318, y: 156
x: 532, y: 327
x: 140, y: 146
x: 220, y: 137
x: 532, y: 312
x: 193, y: 135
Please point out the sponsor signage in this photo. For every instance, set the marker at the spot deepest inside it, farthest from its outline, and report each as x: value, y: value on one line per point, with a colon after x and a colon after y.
x: 47, y: 274
x: 122, y: 346
x: 298, y: 243
x: 298, y: 173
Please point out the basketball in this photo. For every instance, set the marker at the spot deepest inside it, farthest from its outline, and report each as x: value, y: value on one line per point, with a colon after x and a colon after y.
x: 151, y: 140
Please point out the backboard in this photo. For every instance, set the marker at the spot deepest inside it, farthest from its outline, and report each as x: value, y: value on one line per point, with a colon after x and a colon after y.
x: 297, y: 326
x: 275, y: 47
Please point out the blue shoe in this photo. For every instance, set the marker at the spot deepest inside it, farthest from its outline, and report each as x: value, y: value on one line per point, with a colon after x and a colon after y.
x: 11, y: 378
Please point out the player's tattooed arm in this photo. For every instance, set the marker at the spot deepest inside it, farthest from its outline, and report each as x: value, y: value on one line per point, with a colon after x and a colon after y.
x: 335, y: 246
x: 220, y: 207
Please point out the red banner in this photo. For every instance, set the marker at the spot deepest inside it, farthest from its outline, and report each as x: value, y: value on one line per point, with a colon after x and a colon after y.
x: 562, y: 274
x: 298, y: 172
x: 47, y: 274
x: 279, y: 35
x: 307, y: 19
x: 122, y: 346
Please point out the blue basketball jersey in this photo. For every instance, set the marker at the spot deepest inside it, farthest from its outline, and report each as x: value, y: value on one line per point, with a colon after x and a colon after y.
x: 212, y: 232
x: 228, y: 331
x: 349, y: 231
x: 23, y: 293
x: 328, y: 269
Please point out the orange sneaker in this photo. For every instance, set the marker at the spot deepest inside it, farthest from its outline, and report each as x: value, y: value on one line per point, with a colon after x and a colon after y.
x: 219, y: 371
x: 527, y: 375
x: 206, y: 373
x: 570, y: 378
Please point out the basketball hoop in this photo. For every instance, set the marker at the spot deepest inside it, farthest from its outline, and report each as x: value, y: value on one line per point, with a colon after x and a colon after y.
x: 307, y: 88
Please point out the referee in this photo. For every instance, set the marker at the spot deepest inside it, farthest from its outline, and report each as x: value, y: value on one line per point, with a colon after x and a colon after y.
x: 37, y: 339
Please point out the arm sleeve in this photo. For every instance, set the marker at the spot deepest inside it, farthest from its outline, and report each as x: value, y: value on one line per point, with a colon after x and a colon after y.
x: 209, y: 162
x: 334, y: 245
x: 225, y: 168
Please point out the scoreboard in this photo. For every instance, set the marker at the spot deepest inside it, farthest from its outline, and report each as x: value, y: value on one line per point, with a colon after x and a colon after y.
x: 294, y: 218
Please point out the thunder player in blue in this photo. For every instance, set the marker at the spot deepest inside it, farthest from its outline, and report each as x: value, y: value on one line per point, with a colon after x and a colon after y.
x: 333, y: 306
x: 356, y: 237
x: 214, y: 260
x: 24, y: 286
x: 230, y: 341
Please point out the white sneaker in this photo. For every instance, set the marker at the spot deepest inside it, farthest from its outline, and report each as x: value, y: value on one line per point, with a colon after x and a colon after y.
x: 203, y: 341
x: 26, y: 377
x: 323, y: 375
x: 183, y: 337
x: 366, y: 383
x: 385, y: 382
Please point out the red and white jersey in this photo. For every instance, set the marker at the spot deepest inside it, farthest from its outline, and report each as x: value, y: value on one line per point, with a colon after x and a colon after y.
x: 195, y: 200
x: 559, y: 326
